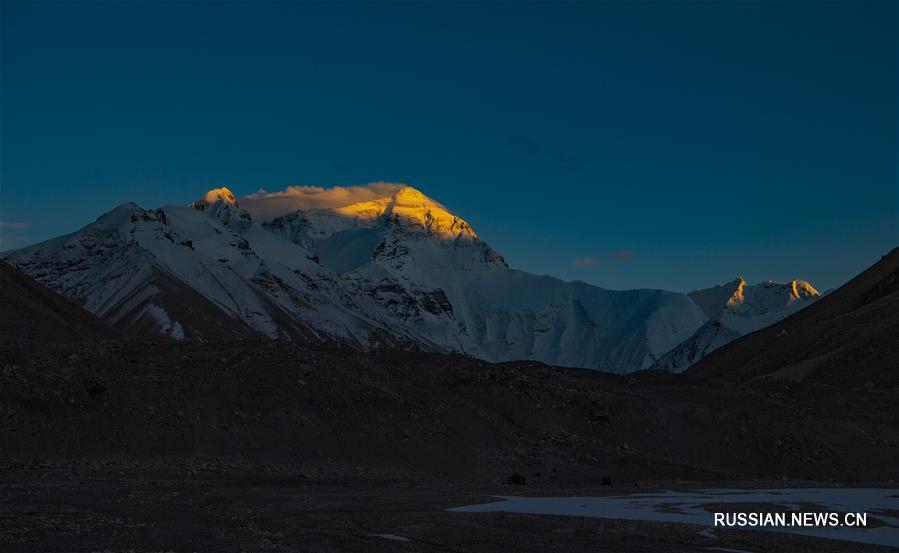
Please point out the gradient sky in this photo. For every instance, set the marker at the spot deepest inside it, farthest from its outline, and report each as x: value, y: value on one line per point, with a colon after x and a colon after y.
x: 665, y: 145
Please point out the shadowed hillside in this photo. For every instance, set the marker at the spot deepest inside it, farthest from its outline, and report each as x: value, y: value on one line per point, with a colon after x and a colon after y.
x: 426, y: 416
x: 848, y: 338
x: 33, y: 311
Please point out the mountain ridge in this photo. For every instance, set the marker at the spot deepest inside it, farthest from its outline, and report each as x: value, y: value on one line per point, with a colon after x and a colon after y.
x: 396, y: 271
x: 847, y: 338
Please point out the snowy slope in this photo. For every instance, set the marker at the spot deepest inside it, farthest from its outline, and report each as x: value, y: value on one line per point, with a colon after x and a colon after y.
x: 398, y: 270
x: 129, y: 267
x: 204, y: 272
x: 736, y: 309
x: 417, y: 254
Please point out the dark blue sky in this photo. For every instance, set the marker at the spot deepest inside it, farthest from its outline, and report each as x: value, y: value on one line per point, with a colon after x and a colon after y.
x: 709, y: 139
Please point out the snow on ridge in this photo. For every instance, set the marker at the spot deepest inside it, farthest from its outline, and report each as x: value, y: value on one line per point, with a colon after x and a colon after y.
x: 735, y: 309
x: 405, y: 207
x: 265, y: 206
x: 395, y: 269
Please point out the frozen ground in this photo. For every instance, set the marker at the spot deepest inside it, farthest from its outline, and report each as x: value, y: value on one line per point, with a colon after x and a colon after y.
x: 116, y: 508
x: 697, y: 507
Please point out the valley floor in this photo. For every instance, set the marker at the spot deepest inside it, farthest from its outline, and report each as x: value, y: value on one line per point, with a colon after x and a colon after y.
x: 266, y: 446
x: 71, y: 508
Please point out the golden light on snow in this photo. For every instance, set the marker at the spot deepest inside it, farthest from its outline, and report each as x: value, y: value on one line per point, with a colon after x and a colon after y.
x: 363, y: 204
x: 410, y: 207
x: 267, y: 205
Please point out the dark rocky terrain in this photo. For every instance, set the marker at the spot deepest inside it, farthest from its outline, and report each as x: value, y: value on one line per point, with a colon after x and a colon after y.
x: 427, y: 417
x: 126, y: 445
x: 270, y: 446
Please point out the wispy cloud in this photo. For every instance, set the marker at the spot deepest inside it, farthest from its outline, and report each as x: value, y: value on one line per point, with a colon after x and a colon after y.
x: 12, y: 225
x: 585, y: 262
x: 264, y: 205
x: 624, y: 255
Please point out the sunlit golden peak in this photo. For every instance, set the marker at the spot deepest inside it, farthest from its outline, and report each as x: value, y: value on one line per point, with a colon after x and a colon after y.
x: 737, y: 297
x: 802, y: 288
x: 409, y: 207
x: 407, y: 194
x: 215, y: 195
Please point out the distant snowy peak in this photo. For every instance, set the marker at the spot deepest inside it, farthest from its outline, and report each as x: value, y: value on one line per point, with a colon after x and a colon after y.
x: 388, y: 229
x: 407, y: 208
x: 742, y: 299
x: 220, y: 204
x: 214, y: 196
x: 735, y: 309
x: 770, y: 296
x: 714, y: 300
x: 397, y: 270
x: 411, y: 209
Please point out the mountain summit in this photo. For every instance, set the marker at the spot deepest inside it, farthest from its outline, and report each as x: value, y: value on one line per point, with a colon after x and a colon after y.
x: 214, y: 196
x: 410, y: 208
x: 735, y: 309
x: 406, y: 207
x: 221, y: 204
x: 397, y: 270
x: 397, y: 230
x: 739, y: 297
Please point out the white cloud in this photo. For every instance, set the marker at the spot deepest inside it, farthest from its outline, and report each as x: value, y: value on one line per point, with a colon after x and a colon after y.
x: 264, y: 206
x: 12, y: 225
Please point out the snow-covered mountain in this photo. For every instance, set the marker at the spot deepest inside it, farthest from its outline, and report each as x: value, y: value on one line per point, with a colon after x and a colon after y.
x: 735, y: 309
x: 409, y: 246
x: 205, y: 272
x: 398, y: 270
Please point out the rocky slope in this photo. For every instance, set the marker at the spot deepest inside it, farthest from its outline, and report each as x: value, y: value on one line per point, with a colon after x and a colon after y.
x: 35, y: 312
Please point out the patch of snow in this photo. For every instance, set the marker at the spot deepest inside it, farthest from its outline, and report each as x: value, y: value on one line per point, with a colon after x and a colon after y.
x: 392, y: 537
x: 167, y: 326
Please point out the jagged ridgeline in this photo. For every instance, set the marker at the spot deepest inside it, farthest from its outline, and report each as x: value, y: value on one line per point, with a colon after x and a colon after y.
x: 396, y: 271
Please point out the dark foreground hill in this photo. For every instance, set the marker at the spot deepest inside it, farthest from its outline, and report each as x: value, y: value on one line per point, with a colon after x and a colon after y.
x: 849, y: 338
x: 120, y: 445
x: 426, y: 417
x: 267, y: 446
x: 33, y: 311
